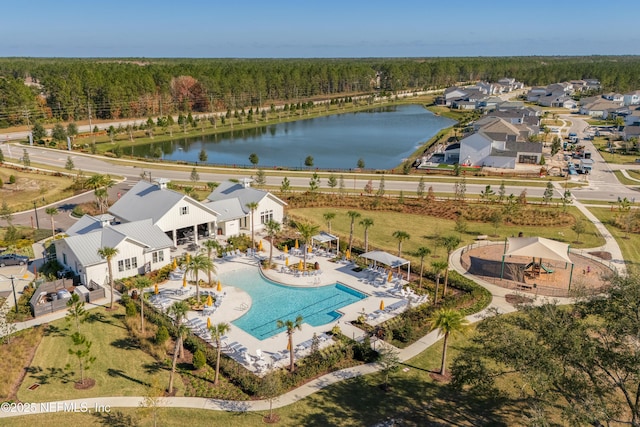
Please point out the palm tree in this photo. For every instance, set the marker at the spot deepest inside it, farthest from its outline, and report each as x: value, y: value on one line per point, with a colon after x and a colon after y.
x: 217, y: 331
x: 366, y: 223
x: 307, y: 230
x: 291, y: 327
x: 179, y: 311
x: 100, y: 183
x: 353, y: 215
x: 422, y: 252
x: 329, y: 216
x: 449, y: 322
x: 400, y: 236
x: 51, y: 212
x: 108, y: 253
x: 197, y: 263
x: 210, y: 245
x: 450, y: 243
x: 252, y: 206
x: 438, y: 266
x: 273, y: 228
x: 140, y: 283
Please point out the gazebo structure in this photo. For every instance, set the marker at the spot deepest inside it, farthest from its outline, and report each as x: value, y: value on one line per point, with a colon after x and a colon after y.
x: 387, y: 259
x: 537, y: 247
x: 325, y: 237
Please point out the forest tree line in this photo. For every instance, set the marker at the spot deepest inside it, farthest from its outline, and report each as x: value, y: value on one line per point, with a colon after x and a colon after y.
x: 56, y: 89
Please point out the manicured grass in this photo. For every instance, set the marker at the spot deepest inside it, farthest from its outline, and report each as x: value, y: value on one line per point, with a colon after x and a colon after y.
x: 629, y: 243
x: 423, y: 229
x: 626, y: 181
x: 120, y: 369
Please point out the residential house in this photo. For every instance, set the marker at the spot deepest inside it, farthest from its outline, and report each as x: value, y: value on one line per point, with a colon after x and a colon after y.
x: 630, y: 132
x: 181, y: 217
x: 231, y: 200
x: 633, y: 118
x: 141, y: 245
x: 598, y: 108
x: 615, y: 97
x: 482, y: 149
x: 632, y: 98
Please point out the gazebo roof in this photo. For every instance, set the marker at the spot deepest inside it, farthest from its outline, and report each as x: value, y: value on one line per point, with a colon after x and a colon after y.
x: 324, y: 237
x: 538, y: 247
x: 385, y: 258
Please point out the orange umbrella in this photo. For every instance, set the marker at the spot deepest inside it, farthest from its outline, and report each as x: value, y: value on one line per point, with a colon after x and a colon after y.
x: 300, y: 265
x: 286, y: 261
x: 381, y: 305
x: 390, y: 276
x: 219, y: 288
x: 25, y: 276
x: 175, y: 264
x: 187, y: 258
x: 208, y: 322
x: 184, y: 280
x: 209, y: 301
x: 155, y: 289
x: 286, y: 249
x: 296, y: 245
x: 347, y: 254
x: 309, y: 249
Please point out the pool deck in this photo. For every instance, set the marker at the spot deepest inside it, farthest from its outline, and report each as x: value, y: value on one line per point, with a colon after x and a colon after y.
x: 234, y: 303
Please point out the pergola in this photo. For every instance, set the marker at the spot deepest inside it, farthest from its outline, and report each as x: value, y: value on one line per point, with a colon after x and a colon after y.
x: 325, y: 237
x: 538, y: 247
x: 387, y: 259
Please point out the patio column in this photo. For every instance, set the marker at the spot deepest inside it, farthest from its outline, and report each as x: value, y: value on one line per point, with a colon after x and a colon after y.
x: 195, y: 234
x: 175, y: 240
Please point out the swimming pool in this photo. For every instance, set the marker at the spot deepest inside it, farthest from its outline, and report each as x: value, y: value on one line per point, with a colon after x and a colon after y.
x: 272, y: 302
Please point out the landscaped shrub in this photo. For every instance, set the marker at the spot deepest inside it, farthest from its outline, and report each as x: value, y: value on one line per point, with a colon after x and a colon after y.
x: 12, y: 179
x: 199, y: 359
x: 131, y: 309
x: 77, y: 211
x: 162, y: 335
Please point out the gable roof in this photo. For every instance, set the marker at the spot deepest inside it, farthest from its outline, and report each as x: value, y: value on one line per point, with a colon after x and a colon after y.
x: 232, y: 190
x: 147, y: 200
x: 228, y: 209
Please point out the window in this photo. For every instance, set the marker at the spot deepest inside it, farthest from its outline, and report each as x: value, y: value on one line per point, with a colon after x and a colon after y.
x: 157, y: 256
x: 134, y: 262
x: 184, y: 210
x: 266, y: 216
x: 127, y: 263
x: 121, y: 265
x: 64, y: 259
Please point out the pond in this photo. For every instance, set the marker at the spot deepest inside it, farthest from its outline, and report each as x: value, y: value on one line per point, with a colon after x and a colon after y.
x: 382, y: 137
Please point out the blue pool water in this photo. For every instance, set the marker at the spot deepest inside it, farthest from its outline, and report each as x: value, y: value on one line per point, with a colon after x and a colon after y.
x: 272, y: 302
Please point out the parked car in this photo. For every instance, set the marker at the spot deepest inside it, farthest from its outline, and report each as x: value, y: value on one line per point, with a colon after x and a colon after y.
x: 13, y: 259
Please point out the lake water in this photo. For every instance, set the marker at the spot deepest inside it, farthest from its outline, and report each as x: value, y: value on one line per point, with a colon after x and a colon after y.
x: 382, y: 137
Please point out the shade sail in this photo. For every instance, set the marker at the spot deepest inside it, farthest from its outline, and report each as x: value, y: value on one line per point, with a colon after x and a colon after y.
x: 385, y: 258
x: 324, y: 237
x: 538, y: 247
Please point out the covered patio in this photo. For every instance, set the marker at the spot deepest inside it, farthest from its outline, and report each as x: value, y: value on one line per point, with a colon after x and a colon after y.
x: 389, y: 260
x: 326, y: 238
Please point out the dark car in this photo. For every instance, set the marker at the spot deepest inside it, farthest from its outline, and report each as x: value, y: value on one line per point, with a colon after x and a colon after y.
x: 13, y: 259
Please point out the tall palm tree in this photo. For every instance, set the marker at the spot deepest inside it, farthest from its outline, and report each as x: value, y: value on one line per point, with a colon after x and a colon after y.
x: 140, y: 283
x: 291, y: 327
x: 449, y: 322
x: 438, y: 267
x: 400, y: 236
x: 307, y: 230
x: 366, y: 223
x: 273, y: 228
x: 211, y: 245
x: 353, y: 215
x: 108, y: 253
x: 422, y: 252
x: 217, y: 332
x: 197, y: 263
x: 179, y: 311
x: 100, y: 183
x: 51, y: 212
x: 329, y: 216
x: 252, y: 206
x: 449, y: 243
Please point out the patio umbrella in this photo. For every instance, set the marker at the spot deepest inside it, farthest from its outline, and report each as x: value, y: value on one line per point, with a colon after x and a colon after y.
x: 187, y: 258
x: 348, y: 254
x: 300, y: 266
x: 209, y: 301
x: 219, y: 288
x: 25, y: 276
x: 175, y: 264
x: 286, y: 261
x: 286, y: 249
x: 184, y: 280
x: 155, y: 289
x: 260, y: 246
x: 390, y: 276
x: 208, y: 322
x: 309, y: 249
x: 296, y: 245
x: 381, y: 304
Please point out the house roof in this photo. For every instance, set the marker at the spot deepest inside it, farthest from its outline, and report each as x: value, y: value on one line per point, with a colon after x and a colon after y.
x: 538, y: 247
x: 147, y: 200
x: 228, y: 209
x: 244, y: 194
x: 84, y: 225
x: 631, y: 130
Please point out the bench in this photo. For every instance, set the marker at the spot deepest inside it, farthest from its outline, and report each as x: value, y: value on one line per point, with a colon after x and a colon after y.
x: 482, y: 237
x: 524, y: 286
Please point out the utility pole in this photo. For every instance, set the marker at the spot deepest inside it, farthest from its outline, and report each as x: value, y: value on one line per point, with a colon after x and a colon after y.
x: 35, y: 210
x: 15, y: 298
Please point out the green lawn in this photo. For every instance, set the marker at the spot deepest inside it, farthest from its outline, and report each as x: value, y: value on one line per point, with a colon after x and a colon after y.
x: 629, y: 244
x: 120, y: 369
x: 423, y: 229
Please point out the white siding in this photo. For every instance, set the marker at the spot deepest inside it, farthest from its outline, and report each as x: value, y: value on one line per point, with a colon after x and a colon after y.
x: 195, y: 215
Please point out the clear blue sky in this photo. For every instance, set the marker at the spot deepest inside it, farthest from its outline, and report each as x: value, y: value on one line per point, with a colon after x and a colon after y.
x: 327, y: 28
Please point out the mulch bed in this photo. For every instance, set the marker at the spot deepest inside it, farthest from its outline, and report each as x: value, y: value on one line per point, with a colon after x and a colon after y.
x: 440, y: 378
x: 86, y: 385
x: 517, y: 299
